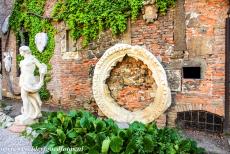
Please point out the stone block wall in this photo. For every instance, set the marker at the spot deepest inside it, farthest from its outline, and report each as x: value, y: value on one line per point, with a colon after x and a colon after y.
x: 198, y: 42
x: 205, y: 39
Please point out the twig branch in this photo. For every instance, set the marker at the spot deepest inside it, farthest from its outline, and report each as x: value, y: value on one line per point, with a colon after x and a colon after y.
x: 34, y: 14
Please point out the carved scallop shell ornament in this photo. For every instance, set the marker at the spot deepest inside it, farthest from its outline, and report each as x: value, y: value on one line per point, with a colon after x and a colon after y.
x: 5, y: 25
x: 41, y: 40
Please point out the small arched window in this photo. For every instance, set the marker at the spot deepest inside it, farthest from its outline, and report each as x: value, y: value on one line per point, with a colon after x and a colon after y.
x: 200, y: 120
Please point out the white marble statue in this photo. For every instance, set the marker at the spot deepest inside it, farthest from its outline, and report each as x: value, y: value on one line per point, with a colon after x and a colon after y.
x: 41, y: 40
x: 8, y: 60
x: 30, y: 86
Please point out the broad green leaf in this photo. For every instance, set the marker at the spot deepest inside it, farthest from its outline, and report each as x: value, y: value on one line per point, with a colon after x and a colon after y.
x: 148, y: 144
x: 105, y: 145
x: 39, y: 142
x: 72, y: 133
x: 99, y: 125
x: 73, y: 113
x: 116, y: 144
x: 61, y: 135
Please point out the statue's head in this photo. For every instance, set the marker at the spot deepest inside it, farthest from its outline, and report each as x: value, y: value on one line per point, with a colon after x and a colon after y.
x: 24, y: 50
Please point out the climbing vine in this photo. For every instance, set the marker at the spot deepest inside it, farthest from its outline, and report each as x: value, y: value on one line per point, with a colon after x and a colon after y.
x: 88, y: 18
x: 27, y: 16
x: 163, y: 5
x: 85, y: 18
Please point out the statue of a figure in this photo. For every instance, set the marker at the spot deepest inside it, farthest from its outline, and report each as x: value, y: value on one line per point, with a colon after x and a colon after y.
x: 30, y: 86
x: 8, y: 60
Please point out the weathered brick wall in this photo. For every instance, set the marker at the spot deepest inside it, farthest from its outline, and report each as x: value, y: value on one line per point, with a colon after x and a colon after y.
x: 205, y: 36
x: 131, y: 84
x: 10, y: 46
x: 205, y: 30
x: 10, y: 79
x: 72, y: 77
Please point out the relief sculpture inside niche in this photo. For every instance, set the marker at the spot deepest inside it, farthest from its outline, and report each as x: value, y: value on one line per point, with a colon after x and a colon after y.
x: 131, y: 84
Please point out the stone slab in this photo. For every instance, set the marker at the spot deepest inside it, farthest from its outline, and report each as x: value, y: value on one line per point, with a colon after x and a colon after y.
x: 15, y: 128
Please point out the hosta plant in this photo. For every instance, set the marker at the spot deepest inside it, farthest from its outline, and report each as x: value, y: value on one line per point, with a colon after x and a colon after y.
x: 102, y: 136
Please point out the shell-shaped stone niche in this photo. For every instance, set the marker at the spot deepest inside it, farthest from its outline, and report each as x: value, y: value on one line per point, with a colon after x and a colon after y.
x: 41, y: 40
x: 102, y: 93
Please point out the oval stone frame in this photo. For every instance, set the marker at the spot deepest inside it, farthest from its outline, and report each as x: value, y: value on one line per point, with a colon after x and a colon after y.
x: 101, y: 91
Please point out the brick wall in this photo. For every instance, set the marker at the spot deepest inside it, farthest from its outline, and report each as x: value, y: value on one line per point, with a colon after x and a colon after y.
x: 204, y: 23
x: 205, y: 36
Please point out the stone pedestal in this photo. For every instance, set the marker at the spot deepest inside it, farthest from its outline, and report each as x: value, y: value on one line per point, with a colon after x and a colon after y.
x: 17, y: 128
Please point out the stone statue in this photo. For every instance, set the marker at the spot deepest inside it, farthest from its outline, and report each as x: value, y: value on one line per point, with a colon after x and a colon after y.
x: 8, y: 60
x: 30, y: 86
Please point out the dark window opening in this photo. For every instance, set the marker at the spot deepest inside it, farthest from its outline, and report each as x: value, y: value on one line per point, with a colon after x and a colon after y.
x: 22, y: 39
x: 200, y: 120
x: 26, y: 37
x: 71, y: 44
x: 191, y: 72
x: 67, y: 40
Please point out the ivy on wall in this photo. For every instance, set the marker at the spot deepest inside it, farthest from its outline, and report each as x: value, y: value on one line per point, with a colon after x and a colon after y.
x: 88, y: 18
x: 27, y: 16
x: 163, y: 5
x: 85, y: 18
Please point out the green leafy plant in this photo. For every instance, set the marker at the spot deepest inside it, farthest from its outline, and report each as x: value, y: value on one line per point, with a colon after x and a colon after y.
x: 163, y: 5
x: 96, y: 136
x: 89, y: 18
x: 27, y: 16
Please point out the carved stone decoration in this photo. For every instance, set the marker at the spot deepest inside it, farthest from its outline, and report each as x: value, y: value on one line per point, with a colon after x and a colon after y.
x: 102, y: 95
x: 8, y: 61
x: 149, y: 11
x: 5, y: 25
x: 41, y: 40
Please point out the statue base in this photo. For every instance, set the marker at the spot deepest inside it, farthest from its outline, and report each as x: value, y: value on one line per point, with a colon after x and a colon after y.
x: 17, y: 128
x: 20, y: 124
x: 24, y: 120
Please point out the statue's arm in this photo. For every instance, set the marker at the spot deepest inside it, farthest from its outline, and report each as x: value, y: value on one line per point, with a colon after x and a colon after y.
x: 41, y: 66
x: 42, y: 71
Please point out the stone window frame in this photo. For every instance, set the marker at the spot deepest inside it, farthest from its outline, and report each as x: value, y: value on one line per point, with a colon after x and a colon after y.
x: 67, y: 55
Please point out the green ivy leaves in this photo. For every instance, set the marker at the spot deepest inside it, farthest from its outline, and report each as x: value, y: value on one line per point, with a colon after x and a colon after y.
x: 163, y: 5
x: 23, y: 17
x: 89, y: 18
